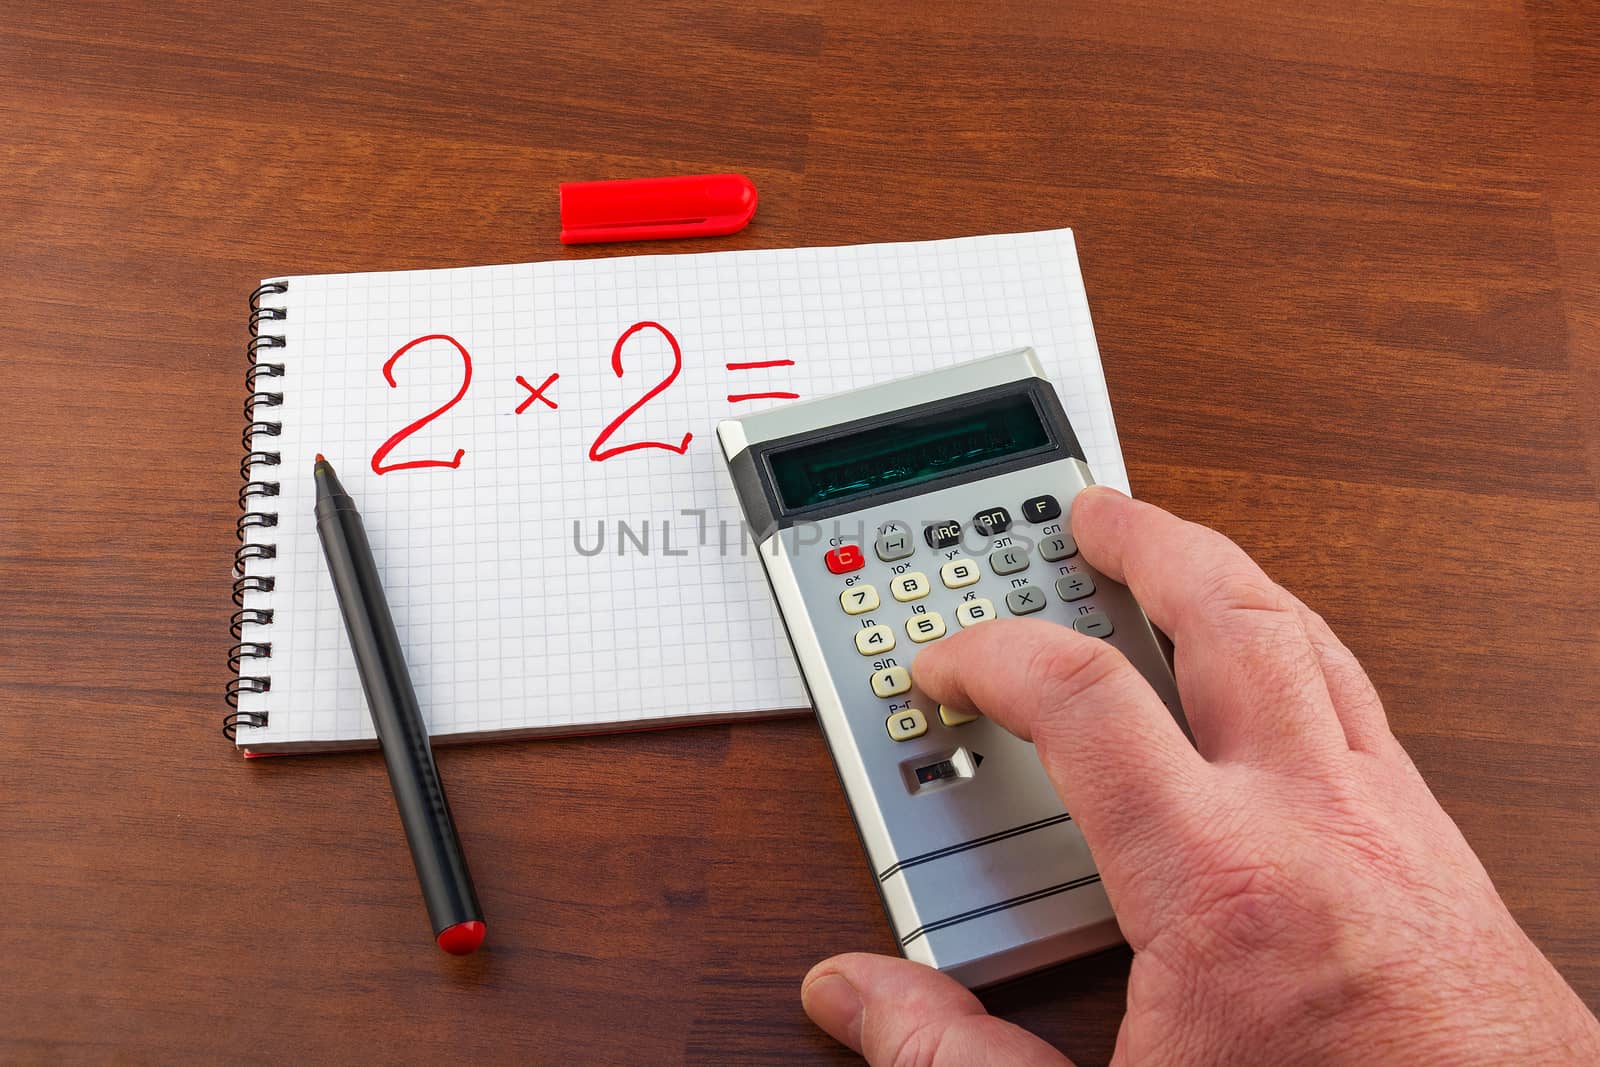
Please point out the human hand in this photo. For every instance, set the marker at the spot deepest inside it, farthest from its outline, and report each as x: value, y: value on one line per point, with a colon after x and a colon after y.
x: 1292, y: 891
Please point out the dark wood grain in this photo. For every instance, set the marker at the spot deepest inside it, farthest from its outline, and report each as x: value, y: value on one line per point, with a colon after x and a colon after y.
x: 1343, y: 268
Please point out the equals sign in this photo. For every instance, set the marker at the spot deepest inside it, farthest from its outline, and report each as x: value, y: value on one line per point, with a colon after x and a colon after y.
x: 762, y: 364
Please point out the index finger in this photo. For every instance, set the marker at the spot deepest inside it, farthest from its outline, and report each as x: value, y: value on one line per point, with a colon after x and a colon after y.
x: 1124, y: 770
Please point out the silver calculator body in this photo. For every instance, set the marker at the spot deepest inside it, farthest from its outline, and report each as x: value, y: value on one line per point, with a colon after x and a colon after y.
x: 888, y: 518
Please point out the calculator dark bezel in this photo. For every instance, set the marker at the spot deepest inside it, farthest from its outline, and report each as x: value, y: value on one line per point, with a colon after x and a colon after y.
x: 753, y: 478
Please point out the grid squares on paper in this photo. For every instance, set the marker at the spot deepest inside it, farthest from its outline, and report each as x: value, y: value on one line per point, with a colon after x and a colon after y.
x: 510, y: 616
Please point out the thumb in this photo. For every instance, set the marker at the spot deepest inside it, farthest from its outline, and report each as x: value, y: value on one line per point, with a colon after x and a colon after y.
x: 897, y: 1013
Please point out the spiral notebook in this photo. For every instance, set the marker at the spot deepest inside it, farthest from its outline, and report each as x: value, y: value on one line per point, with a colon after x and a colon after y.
x: 532, y: 450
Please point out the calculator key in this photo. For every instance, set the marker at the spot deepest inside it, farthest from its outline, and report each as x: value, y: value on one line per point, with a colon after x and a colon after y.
x: 874, y: 640
x: 1058, y: 547
x: 959, y: 573
x: 913, y: 586
x: 991, y: 521
x: 1075, y: 586
x: 942, y: 534
x: 927, y: 627
x: 1025, y: 601
x: 1041, y: 509
x: 845, y: 558
x: 894, y: 542
x: 907, y: 725
x: 1008, y: 560
x: 859, y: 600
x: 1095, y: 624
x: 891, y: 681
x: 956, y: 717
x: 972, y: 612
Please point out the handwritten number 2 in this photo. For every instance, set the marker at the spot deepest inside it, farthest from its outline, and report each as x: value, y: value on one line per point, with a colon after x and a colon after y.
x: 378, y: 466
x: 598, y: 453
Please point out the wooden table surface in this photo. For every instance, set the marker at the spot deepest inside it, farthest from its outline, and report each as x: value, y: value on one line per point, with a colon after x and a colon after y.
x: 1343, y: 269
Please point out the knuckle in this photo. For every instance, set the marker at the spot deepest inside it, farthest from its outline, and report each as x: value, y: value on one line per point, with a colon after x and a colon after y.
x: 919, y: 1047
x: 1271, y: 649
x: 1065, y: 668
x: 1236, y: 586
x: 1065, y: 671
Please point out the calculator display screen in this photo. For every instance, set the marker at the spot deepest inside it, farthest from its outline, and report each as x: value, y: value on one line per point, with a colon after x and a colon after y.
x: 904, y: 452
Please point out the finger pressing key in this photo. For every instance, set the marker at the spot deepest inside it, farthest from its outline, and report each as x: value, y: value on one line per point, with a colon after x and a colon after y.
x: 1117, y: 758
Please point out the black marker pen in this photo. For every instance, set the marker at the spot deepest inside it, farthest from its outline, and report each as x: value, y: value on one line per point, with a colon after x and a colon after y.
x: 446, y: 885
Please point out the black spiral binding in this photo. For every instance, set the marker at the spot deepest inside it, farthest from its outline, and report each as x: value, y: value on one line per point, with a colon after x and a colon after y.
x: 252, y: 520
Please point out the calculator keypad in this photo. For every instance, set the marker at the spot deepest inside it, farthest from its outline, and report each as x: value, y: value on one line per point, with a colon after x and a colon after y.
x: 975, y: 588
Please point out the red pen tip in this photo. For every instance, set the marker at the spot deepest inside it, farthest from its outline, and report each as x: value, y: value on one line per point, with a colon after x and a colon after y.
x: 321, y: 458
x: 462, y: 939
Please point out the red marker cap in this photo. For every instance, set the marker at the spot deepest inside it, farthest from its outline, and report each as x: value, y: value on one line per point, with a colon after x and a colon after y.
x: 462, y: 939
x: 649, y: 209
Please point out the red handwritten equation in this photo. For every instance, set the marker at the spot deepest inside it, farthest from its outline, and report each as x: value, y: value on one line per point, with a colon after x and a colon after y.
x: 541, y: 394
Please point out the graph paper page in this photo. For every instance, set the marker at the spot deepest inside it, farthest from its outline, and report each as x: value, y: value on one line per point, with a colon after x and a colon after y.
x: 575, y: 566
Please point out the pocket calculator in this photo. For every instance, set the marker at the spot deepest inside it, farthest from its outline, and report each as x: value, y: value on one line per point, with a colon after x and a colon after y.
x: 888, y: 518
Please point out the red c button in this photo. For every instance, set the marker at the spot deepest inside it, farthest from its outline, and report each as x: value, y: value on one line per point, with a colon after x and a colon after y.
x: 845, y: 558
